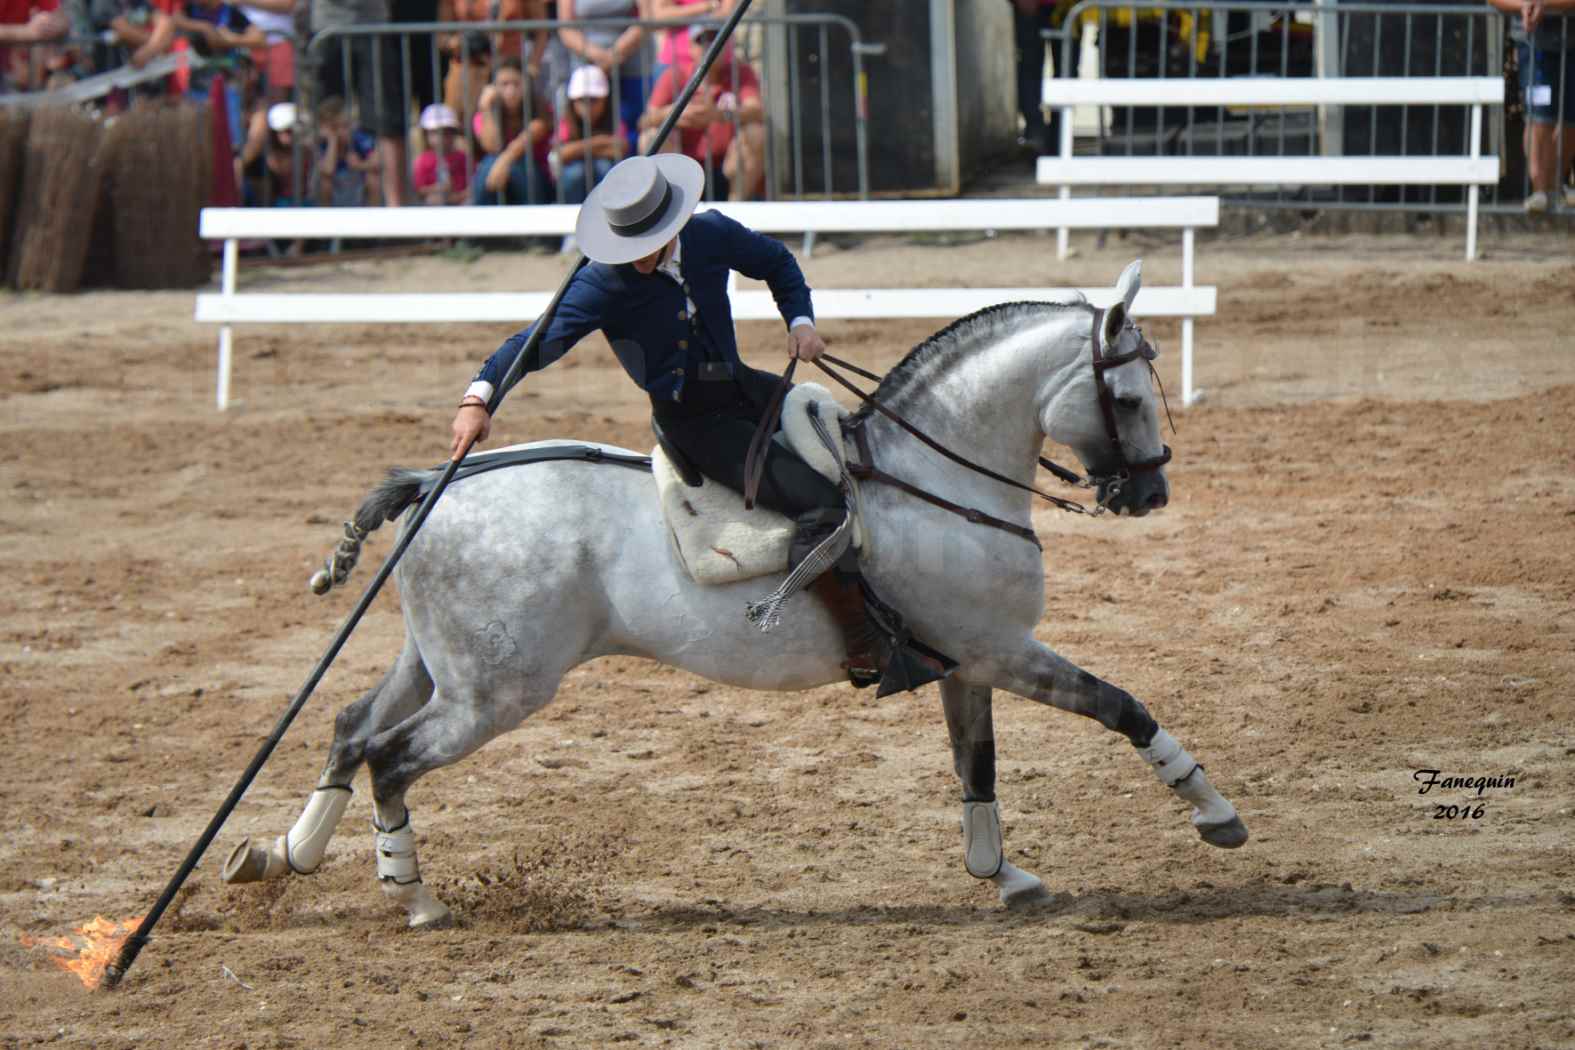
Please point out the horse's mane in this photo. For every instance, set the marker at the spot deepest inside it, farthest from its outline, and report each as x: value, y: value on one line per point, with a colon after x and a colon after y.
x: 956, y: 342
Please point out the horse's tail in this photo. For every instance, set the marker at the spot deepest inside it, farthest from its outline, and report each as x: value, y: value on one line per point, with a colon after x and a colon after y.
x: 393, y: 494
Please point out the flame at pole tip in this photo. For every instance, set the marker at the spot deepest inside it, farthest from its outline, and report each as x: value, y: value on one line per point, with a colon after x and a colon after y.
x: 91, y: 947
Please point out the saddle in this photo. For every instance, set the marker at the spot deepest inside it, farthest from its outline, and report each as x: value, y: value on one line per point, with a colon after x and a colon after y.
x: 716, y: 540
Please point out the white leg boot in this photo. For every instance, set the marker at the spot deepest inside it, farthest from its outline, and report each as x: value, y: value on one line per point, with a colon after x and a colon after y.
x: 300, y: 851
x: 1212, y: 815
x: 985, y: 857
x: 400, y: 875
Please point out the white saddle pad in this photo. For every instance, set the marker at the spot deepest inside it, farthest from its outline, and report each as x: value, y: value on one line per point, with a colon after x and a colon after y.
x: 716, y: 539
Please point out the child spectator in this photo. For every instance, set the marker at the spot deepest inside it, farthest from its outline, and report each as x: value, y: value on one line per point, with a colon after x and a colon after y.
x: 624, y: 54
x: 590, y: 142
x: 514, y: 128
x: 440, y: 176
x: 723, y: 127
x: 348, y: 165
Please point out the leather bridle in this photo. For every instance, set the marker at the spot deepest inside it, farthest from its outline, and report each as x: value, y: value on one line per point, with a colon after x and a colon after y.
x: 1110, y: 484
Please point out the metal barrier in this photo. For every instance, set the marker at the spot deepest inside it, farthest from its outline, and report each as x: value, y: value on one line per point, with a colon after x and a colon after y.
x: 392, y: 67
x: 1233, y: 40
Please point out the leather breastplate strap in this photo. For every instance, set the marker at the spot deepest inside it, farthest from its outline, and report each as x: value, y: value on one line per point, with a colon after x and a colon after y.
x: 866, y: 469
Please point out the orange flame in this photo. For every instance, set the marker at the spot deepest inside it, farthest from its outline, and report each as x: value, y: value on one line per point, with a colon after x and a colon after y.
x: 94, y: 946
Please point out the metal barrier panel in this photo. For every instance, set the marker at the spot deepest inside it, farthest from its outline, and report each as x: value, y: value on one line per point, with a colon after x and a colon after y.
x: 1326, y: 41
x: 508, y: 79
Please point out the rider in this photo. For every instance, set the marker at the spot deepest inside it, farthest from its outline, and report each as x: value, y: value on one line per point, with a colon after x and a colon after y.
x: 657, y: 289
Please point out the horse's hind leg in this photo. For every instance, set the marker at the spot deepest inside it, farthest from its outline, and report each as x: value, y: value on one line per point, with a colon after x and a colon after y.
x: 1040, y: 674
x: 439, y: 734
x: 400, y: 693
x: 971, y: 726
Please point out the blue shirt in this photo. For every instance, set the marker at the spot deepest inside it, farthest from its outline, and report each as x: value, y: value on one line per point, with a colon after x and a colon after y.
x: 647, y: 317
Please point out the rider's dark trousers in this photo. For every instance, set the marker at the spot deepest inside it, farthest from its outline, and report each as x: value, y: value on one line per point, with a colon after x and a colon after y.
x: 713, y: 426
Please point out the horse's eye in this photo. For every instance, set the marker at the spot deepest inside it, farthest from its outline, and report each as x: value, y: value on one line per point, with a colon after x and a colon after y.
x: 1129, y: 403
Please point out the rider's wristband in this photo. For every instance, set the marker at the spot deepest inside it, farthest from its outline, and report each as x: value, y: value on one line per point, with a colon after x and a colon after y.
x: 471, y: 399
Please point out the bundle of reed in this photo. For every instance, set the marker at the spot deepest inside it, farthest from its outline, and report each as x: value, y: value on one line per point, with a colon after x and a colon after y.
x: 158, y: 162
x: 13, y: 133
x: 56, y: 202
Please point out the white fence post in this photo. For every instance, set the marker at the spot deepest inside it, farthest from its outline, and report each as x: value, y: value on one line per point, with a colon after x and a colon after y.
x: 1063, y: 240
x: 1472, y: 191
x: 227, y: 289
x: 1187, y: 396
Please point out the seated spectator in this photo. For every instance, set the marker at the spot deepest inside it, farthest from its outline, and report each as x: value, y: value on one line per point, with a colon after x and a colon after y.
x: 29, y: 22
x: 440, y: 176
x: 590, y: 141
x: 468, y: 57
x: 723, y: 127
x: 624, y: 55
x: 348, y: 166
x: 265, y: 167
x: 513, y: 126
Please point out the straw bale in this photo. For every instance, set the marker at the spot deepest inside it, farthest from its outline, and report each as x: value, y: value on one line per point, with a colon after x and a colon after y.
x: 13, y: 133
x: 57, y: 200
x: 159, y: 166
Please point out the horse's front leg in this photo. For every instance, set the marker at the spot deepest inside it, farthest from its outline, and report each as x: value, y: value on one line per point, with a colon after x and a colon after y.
x: 969, y: 722
x: 1040, y: 674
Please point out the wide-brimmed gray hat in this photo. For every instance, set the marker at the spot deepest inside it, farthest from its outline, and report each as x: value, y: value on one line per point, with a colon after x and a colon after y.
x: 640, y: 205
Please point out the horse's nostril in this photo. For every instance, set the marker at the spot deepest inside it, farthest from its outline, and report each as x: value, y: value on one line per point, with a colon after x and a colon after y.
x: 1157, y: 499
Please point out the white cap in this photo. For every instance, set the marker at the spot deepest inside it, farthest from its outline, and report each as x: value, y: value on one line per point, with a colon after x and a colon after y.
x: 588, y: 82
x: 437, y: 116
x: 281, y: 116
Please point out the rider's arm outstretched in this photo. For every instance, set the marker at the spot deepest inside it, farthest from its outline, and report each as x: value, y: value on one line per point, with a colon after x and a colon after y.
x: 579, y: 314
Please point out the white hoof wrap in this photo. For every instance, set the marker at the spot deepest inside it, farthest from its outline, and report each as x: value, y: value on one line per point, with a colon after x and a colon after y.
x: 982, y: 852
x: 1170, y: 760
x: 396, y: 855
x: 307, y: 841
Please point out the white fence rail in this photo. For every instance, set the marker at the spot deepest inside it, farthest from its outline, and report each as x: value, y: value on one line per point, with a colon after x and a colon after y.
x: 231, y: 225
x: 1471, y: 169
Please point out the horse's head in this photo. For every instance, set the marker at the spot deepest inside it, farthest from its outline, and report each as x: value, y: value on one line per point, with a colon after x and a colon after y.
x: 1108, y: 414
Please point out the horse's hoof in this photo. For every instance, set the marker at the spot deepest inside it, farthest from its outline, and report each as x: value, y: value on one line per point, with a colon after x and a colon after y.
x: 1018, y: 888
x: 248, y: 863
x: 1034, y: 896
x: 1228, y: 835
x: 442, y: 921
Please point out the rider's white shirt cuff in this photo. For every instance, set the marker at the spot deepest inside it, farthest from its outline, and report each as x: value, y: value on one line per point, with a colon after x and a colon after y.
x: 800, y: 320
x: 480, y: 388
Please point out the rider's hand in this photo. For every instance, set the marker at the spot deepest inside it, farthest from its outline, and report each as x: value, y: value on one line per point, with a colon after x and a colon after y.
x: 471, y: 427
x: 805, y: 343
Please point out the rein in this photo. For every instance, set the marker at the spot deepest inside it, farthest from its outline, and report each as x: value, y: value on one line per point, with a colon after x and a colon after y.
x: 754, y: 463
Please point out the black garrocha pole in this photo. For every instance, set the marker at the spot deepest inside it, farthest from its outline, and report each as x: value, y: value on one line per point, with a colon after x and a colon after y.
x: 138, y: 940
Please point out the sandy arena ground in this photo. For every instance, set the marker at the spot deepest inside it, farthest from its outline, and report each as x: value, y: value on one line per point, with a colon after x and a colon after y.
x: 1367, y: 569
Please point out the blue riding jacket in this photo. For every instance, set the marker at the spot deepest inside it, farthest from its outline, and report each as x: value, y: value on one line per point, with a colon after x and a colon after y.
x: 646, y: 318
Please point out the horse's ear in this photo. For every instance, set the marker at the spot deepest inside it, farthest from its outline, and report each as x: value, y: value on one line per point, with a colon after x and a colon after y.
x: 1129, y: 282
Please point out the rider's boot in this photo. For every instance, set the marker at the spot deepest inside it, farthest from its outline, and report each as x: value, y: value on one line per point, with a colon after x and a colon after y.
x: 878, y: 644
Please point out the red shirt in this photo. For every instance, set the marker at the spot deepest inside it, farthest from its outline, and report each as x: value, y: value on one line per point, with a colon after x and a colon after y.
x: 17, y: 12
x: 727, y: 78
x: 426, y: 171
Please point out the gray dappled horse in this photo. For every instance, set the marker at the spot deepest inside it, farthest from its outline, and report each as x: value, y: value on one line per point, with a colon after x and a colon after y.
x: 523, y: 573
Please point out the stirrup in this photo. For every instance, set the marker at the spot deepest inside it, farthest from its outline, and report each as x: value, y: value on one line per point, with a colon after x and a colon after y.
x: 909, y: 663
x: 913, y: 664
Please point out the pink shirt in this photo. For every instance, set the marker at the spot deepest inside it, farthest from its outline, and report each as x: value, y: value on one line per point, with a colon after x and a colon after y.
x: 426, y: 172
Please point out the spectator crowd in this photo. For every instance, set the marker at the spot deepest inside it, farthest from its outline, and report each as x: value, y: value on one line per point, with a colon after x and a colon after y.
x: 409, y: 118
